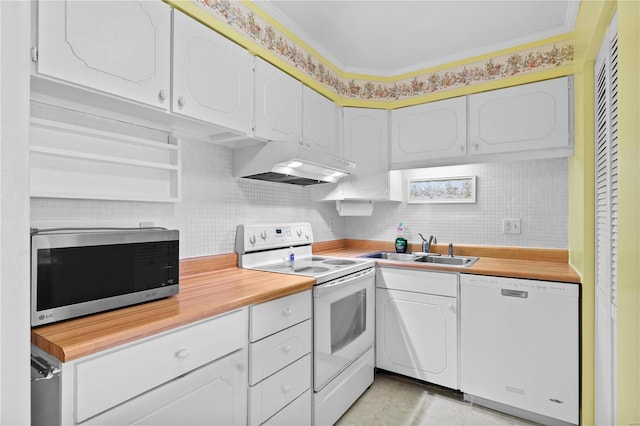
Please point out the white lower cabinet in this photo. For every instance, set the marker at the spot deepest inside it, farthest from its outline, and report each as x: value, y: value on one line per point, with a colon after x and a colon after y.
x: 280, y: 361
x: 196, y: 374
x: 417, y: 324
x: 297, y: 413
x: 211, y: 395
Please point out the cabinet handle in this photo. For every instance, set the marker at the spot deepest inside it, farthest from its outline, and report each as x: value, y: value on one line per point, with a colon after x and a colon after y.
x: 287, y: 311
x: 240, y: 365
x: 286, y: 388
x: 181, y: 102
x: 452, y: 307
x: 162, y: 95
x: 475, y: 146
x: 461, y: 148
x: 514, y: 293
x: 183, y: 354
x: 286, y: 349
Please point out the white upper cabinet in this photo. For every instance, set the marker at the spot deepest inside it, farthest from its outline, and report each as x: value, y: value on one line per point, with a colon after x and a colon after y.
x: 278, y: 104
x: 212, y: 76
x: 118, y: 47
x: 522, y: 118
x: 429, y: 131
x: 319, y: 122
x: 366, y: 142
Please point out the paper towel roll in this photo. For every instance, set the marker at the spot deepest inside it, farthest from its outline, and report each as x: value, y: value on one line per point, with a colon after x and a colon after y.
x: 354, y: 208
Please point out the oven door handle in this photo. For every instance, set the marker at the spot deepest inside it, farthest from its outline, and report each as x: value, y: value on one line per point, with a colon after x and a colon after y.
x: 324, y: 289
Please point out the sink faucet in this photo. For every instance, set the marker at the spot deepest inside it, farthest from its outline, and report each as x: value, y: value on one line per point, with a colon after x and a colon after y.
x: 426, y: 244
x: 450, y: 249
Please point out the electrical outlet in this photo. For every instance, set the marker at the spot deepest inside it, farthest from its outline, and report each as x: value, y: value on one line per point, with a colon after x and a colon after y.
x: 510, y: 226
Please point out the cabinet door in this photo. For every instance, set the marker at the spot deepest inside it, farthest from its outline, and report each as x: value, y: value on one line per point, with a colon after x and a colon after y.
x: 529, y: 117
x: 112, y: 377
x: 417, y: 336
x: 117, y: 47
x: 429, y: 132
x: 215, y: 394
x: 212, y: 76
x: 366, y: 142
x: 319, y: 122
x: 278, y: 104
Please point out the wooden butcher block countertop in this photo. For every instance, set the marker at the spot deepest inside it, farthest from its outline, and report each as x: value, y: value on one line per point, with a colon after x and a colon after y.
x: 512, y: 262
x: 208, y: 287
x: 213, y: 285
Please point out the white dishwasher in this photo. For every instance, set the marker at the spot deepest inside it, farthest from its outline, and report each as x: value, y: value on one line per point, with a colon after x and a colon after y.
x: 520, y: 346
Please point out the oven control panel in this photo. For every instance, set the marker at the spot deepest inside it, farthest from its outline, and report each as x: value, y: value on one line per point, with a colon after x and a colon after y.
x: 250, y: 238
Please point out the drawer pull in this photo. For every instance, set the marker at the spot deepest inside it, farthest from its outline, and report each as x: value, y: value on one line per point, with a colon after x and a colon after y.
x: 287, y: 311
x: 286, y: 348
x: 286, y: 388
x: 183, y: 354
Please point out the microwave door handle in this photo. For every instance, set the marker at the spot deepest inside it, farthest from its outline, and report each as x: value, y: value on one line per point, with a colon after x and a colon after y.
x: 324, y: 289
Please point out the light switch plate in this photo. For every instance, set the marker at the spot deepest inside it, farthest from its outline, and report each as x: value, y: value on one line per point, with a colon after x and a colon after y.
x: 510, y: 226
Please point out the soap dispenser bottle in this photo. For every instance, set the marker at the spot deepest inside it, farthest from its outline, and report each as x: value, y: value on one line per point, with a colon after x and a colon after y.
x: 401, y: 241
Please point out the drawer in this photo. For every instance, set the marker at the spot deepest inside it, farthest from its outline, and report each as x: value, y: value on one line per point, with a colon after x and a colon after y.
x: 111, y: 378
x: 272, y: 394
x: 272, y: 353
x: 295, y: 414
x: 214, y: 394
x: 270, y: 317
x: 427, y: 282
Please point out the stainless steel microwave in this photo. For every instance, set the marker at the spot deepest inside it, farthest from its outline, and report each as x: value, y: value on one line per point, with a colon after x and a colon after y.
x: 76, y: 273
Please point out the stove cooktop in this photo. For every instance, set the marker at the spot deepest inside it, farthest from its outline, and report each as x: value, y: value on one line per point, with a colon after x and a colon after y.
x: 320, y: 267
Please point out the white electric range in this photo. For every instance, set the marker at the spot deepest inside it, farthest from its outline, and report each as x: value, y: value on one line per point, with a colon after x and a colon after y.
x: 343, y: 309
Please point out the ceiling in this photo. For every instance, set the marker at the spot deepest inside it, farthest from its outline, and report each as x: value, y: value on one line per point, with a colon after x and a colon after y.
x: 388, y: 38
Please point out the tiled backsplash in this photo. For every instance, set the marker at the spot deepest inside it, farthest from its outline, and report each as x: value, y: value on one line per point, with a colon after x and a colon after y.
x: 213, y: 203
x: 535, y: 191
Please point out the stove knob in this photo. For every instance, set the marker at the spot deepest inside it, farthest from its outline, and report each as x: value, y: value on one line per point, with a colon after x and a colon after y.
x: 299, y: 232
x: 263, y: 235
x: 252, y: 239
x: 307, y: 235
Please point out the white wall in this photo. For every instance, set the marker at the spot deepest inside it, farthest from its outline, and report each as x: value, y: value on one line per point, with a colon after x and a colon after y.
x: 14, y: 213
x: 534, y: 191
x: 213, y: 204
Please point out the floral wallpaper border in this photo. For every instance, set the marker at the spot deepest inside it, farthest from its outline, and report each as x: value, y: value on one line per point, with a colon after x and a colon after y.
x: 242, y: 18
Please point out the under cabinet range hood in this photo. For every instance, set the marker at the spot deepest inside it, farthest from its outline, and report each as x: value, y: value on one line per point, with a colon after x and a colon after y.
x: 289, y: 162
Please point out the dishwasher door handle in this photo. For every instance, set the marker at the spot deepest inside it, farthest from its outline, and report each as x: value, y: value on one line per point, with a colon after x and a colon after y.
x: 514, y: 293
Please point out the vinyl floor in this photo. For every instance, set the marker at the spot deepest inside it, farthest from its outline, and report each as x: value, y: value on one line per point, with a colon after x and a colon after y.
x: 395, y: 400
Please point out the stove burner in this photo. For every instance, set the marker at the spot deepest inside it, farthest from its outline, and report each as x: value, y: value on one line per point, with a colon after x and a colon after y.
x: 310, y: 269
x: 339, y: 262
x: 317, y: 258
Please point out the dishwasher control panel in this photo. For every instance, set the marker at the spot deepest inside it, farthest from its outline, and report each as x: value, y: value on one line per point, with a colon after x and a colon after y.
x: 518, y: 284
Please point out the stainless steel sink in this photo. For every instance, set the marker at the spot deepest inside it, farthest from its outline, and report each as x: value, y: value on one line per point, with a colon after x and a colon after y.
x: 387, y: 255
x: 436, y: 259
x: 447, y: 260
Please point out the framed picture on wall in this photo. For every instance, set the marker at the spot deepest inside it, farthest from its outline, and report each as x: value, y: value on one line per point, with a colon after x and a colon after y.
x: 442, y: 190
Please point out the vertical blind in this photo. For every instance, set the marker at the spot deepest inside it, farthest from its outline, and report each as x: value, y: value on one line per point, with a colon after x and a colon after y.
x: 606, y: 222
x: 606, y: 167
